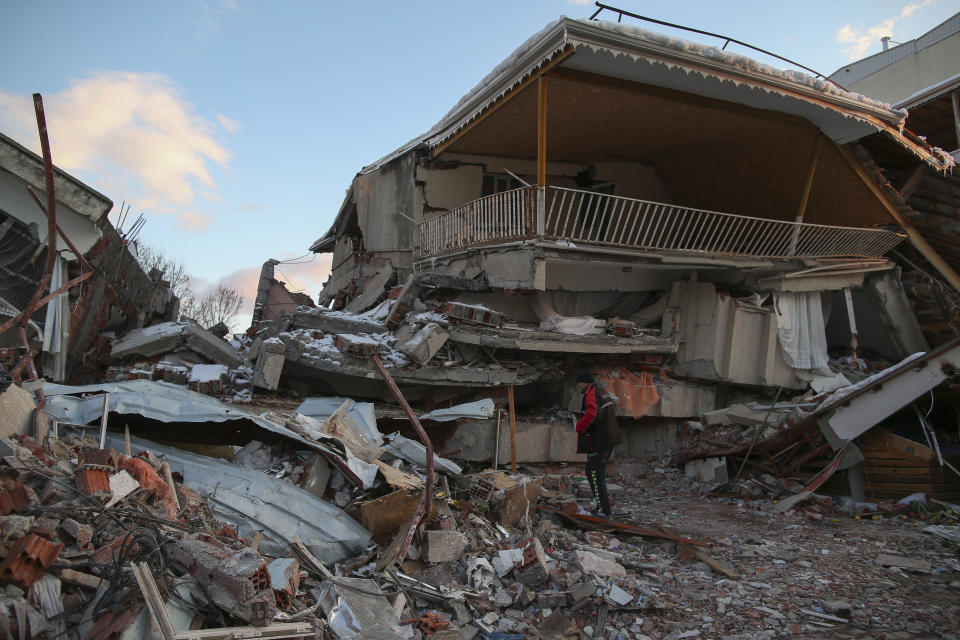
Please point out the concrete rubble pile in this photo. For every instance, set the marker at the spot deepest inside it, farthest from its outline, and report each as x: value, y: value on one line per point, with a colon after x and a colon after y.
x: 310, y: 349
x: 100, y: 544
x: 186, y: 354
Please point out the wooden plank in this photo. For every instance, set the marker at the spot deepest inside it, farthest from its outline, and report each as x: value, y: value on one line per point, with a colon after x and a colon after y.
x: 398, y: 479
x: 919, y: 478
x: 591, y: 521
x: 276, y: 630
x: 897, y: 471
x: 918, y: 241
x: 883, y: 439
x: 151, y: 595
x: 905, y: 487
x: 385, y: 516
x: 542, y: 82
x: 713, y: 563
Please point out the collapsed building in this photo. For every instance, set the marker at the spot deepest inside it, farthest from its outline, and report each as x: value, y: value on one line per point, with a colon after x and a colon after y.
x: 68, y: 332
x: 713, y: 242
x: 697, y: 228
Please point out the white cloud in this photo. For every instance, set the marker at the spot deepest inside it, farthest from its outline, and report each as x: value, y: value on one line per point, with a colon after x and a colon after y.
x: 231, y: 126
x: 863, y: 39
x: 580, y: 3
x: 192, y: 221
x: 133, y: 133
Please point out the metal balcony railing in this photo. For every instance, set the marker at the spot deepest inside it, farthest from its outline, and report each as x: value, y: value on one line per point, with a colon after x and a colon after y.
x: 588, y: 218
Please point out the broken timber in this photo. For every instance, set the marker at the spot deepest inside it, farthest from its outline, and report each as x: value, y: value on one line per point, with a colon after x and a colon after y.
x: 622, y: 526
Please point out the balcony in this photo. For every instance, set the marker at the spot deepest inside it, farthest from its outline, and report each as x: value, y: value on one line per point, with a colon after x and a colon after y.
x: 588, y: 218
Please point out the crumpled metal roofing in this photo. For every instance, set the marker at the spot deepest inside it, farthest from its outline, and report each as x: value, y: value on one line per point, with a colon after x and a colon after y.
x: 478, y: 410
x: 254, y: 501
x: 156, y: 400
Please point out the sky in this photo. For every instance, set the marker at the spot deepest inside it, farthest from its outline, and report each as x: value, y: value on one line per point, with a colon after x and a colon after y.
x: 236, y: 126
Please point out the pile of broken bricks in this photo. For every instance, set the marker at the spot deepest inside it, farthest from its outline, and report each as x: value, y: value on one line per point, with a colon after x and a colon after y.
x: 99, y: 544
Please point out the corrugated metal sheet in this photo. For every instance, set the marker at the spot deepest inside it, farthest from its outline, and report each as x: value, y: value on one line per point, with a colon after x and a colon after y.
x: 853, y: 73
x: 255, y: 502
x: 156, y: 400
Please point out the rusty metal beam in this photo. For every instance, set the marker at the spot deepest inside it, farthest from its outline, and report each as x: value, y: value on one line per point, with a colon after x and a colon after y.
x: 623, y: 526
x: 425, y: 507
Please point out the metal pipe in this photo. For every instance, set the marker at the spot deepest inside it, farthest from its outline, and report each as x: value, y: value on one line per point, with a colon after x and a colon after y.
x: 712, y: 35
x: 70, y: 245
x: 426, y: 501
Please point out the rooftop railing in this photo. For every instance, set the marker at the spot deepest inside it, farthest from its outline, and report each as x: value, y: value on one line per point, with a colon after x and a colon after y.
x: 590, y: 218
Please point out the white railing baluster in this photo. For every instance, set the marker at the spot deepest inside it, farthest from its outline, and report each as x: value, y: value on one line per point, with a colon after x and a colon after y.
x: 596, y: 218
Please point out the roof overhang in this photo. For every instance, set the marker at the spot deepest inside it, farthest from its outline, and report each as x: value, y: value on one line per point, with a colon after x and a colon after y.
x: 28, y: 166
x: 637, y: 55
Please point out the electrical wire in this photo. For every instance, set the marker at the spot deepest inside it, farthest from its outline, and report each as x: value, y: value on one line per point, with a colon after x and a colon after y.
x: 300, y: 259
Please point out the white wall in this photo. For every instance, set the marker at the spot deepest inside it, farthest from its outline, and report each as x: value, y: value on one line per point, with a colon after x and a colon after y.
x: 16, y: 202
x: 911, y: 74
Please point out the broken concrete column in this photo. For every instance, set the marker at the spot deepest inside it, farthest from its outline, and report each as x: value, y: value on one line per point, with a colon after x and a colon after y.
x: 372, y: 292
x: 404, y: 302
x: 444, y: 546
x: 331, y: 323
x: 532, y: 569
x: 269, y: 364
x: 707, y: 470
x: 211, y: 347
x: 425, y: 343
x: 169, y: 336
x: 238, y: 581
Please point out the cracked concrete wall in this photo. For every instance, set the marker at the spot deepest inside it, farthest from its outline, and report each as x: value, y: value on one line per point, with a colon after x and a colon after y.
x: 896, y: 314
x: 536, y: 441
x: 385, y: 208
x: 720, y: 340
x: 448, y: 185
x: 17, y: 203
x: 598, y: 274
x: 885, y: 319
x: 651, y: 437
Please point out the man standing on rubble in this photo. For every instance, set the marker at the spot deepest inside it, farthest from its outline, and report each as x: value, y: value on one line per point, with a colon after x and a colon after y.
x: 596, y: 438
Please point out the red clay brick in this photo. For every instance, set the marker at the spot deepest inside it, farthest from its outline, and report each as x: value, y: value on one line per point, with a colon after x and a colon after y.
x: 92, y: 481
x: 105, y: 457
x: 15, y: 498
x: 29, y: 558
x: 149, y: 479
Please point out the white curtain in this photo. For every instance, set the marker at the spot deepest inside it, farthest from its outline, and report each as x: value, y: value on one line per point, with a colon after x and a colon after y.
x: 800, y: 329
x: 56, y: 326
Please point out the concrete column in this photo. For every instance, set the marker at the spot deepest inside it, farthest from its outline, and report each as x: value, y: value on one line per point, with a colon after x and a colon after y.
x: 855, y: 477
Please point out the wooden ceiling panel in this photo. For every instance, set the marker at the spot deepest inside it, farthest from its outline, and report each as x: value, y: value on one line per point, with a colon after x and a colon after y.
x: 709, y: 154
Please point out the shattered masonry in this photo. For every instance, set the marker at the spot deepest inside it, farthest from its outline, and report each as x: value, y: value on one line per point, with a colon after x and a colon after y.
x: 754, y: 264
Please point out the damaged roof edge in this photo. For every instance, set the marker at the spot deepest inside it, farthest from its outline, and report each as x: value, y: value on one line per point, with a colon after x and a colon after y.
x: 618, y: 38
x: 325, y: 243
x: 28, y: 166
x: 564, y: 33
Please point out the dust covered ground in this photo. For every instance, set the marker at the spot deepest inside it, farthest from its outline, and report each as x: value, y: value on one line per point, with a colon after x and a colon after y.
x: 801, y: 574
